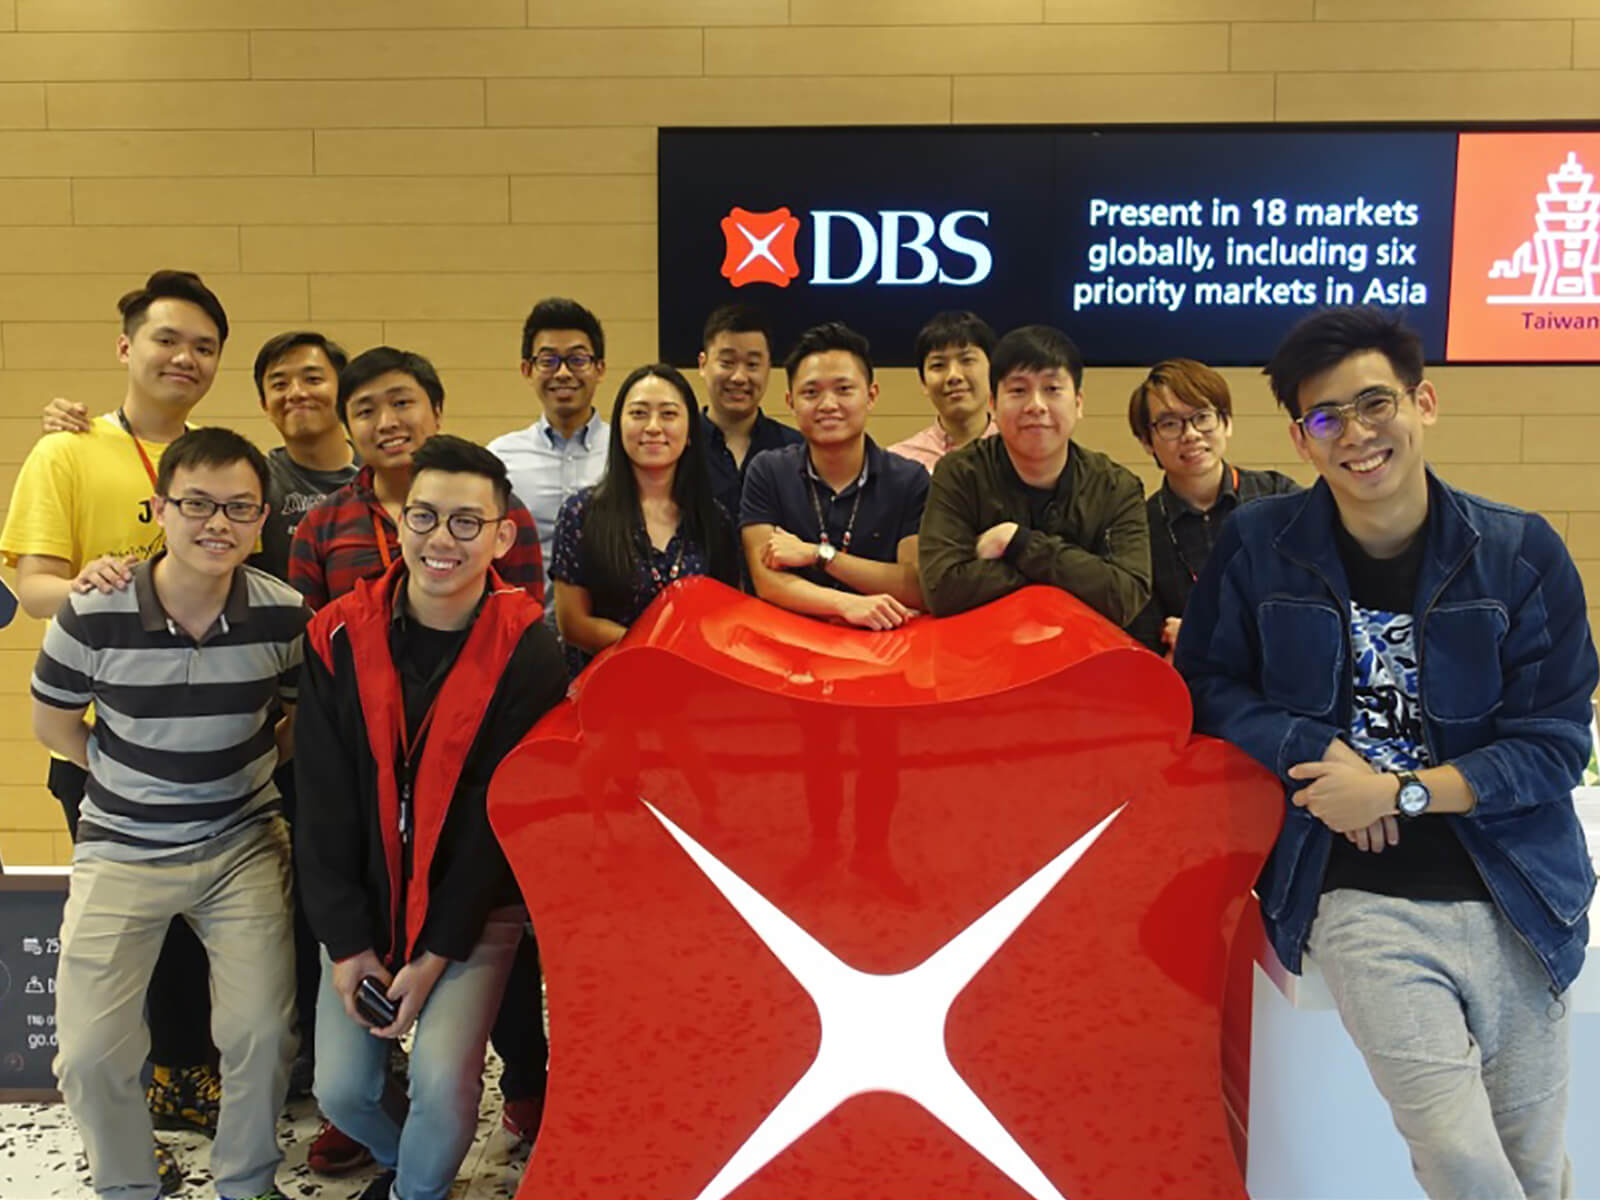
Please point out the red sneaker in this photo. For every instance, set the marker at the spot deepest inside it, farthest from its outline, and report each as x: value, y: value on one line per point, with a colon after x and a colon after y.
x: 333, y: 1152
x: 521, y: 1118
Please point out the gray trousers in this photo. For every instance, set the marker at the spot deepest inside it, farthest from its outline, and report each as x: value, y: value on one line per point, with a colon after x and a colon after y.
x: 1463, y: 1037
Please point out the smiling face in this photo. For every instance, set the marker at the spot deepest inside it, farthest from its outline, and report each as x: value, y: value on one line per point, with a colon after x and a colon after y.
x: 735, y: 367
x: 956, y: 381
x: 1367, y: 468
x: 1193, y: 455
x: 1037, y: 411
x: 299, y: 392
x: 654, y: 424
x: 213, y: 545
x: 172, y: 356
x: 831, y: 397
x: 443, y: 565
x: 388, y: 418
x: 565, y: 394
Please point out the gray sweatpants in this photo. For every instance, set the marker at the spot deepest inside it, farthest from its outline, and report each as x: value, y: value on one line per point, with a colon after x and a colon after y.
x: 1462, y: 1035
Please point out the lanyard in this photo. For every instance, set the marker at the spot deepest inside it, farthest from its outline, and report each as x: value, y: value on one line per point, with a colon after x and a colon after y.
x: 409, y: 748
x: 379, y: 536
x: 849, y: 525
x: 1166, y: 523
x: 149, y: 468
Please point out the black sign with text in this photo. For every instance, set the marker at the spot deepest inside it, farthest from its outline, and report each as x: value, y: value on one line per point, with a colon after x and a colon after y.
x: 30, y: 947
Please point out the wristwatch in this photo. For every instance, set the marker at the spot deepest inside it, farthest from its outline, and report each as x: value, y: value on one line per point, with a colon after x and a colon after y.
x: 825, y: 554
x: 1414, y: 797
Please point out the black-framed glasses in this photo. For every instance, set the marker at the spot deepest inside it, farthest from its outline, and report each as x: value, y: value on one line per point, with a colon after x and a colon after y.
x: 462, y: 526
x: 577, y: 361
x: 1372, y: 408
x: 201, y: 508
x: 1169, y: 426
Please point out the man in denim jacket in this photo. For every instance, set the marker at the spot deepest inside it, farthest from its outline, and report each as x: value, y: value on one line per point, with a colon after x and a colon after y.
x: 1415, y: 664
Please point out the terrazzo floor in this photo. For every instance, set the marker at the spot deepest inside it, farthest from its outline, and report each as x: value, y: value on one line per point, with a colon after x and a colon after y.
x: 41, y: 1159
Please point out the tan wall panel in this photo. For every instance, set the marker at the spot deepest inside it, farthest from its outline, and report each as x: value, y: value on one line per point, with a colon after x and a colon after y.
x: 8, y: 14
x: 1401, y: 45
x: 30, y: 848
x: 24, y: 393
x: 50, y: 297
x: 137, y: 251
x: 1583, y: 540
x: 1561, y: 440
x: 38, y: 345
x: 29, y: 804
x: 1525, y: 390
x: 110, y: 155
x: 57, y: 56
x: 594, y: 13
x: 496, y: 345
x: 265, y: 14
x: 1454, y: 10
x: 35, y: 202
x: 1025, y: 49
x: 913, y: 12
x: 449, y: 295
x: 264, y: 105
x: 453, y: 53
x: 1178, y: 10
x: 730, y: 100
x: 17, y: 436
x: 1113, y: 98
x: 21, y: 106
x: 1586, y: 44
x: 1438, y: 95
x: 445, y: 247
x: 1561, y: 488
x: 483, y: 151
x: 609, y: 199
x: 306, y: 200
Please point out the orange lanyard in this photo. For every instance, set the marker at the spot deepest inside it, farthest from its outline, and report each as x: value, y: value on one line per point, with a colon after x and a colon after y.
x: 382, y: 539
x: 149, y: 468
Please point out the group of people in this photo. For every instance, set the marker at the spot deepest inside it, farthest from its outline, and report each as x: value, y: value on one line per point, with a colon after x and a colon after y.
x: 304, y: 666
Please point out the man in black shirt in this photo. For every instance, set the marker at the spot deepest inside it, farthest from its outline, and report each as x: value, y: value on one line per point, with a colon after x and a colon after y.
x: 1182, y: 414
x: 735, y: 362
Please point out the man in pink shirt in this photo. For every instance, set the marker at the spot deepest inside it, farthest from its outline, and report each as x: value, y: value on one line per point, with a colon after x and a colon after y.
x: 953, y: 364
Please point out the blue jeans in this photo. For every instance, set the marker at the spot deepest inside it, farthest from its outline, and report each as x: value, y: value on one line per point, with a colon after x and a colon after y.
x: 446, y: 1066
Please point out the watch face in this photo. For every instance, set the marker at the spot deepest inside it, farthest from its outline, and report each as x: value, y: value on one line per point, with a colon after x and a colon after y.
x: 1413, y: 799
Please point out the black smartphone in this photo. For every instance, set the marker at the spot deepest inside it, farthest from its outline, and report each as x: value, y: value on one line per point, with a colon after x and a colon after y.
x: 373, y: 1003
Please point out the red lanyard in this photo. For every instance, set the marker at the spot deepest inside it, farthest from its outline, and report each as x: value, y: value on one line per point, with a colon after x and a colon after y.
x: 149, y: 468
x: 382, y: 539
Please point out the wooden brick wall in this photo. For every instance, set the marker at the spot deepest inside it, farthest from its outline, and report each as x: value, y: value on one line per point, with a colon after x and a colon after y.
x: 419, y: 171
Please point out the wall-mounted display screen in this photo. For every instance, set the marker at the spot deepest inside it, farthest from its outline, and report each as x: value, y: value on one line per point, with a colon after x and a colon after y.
x: 1143, y: 243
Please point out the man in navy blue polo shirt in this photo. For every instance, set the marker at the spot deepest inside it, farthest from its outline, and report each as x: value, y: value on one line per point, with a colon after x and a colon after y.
x: 830, y: 525
x: 735, y: 362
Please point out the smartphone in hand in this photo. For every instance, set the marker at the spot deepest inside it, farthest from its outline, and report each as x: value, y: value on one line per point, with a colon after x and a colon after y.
x: 373, y: 1003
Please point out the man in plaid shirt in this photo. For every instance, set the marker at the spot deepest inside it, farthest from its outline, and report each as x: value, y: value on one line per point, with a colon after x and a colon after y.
x: 391, y: 402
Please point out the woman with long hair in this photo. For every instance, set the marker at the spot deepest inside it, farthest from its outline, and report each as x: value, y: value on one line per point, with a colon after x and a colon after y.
x: 650, y: 520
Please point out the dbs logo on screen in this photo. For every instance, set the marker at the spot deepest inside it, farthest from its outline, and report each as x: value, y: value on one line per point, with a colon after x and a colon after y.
x: 895, y: 247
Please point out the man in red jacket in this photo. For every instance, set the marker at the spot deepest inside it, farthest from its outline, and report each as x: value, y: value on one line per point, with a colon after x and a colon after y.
x: 417, y: 684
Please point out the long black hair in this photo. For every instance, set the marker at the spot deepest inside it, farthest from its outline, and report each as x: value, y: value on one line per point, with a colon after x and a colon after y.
x: 613, y: 517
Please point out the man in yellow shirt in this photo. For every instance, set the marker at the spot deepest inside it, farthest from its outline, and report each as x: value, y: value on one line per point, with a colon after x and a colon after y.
x: 80, y: 517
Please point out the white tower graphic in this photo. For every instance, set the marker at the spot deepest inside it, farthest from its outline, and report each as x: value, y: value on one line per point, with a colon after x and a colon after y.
x: 1563, y: 256
x: 883, y: 1032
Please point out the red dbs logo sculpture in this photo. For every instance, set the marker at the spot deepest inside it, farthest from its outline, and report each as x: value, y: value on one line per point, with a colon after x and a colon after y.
x: 942, y: 912
x: 759, y: 247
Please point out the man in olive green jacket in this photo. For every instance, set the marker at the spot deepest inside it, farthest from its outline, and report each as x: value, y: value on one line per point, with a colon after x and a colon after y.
x: 1030, y: 506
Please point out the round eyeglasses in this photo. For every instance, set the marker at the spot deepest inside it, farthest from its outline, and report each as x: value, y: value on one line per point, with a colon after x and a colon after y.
x: 1169, y: 427
x: 1373, y: 408
x: 464, y: 527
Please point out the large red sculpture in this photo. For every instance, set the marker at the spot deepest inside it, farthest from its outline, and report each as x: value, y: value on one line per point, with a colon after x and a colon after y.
x: 942, y: 912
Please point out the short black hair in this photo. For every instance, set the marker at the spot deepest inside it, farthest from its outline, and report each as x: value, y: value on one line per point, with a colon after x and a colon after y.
x: 210, y: 446
x: 380, y: 360
x: 1325, y: 339
x: 557, y: 312
x: 736, y: 318
x: 831, y: 335
x: 446, y: 452
x: 1035, y: 348
x: 172, y: 285
x: 274, y: 348
x: 951, y: 329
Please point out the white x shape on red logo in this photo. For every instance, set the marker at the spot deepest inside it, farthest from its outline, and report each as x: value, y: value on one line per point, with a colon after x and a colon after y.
x: 760, y: 247
x: 883, y: 1033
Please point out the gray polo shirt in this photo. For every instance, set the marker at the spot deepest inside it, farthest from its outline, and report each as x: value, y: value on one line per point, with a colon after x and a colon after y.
x: 182, y: 749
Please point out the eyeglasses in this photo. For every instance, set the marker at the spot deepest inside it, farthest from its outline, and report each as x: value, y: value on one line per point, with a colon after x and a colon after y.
x: 1169, y: 426
x: 201, y: 508
x: 1373, y: 408
x: 578, y: 361
x: 464, y: 527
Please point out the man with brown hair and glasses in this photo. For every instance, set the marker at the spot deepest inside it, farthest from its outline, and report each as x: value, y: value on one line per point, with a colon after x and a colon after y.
x: 1182, y: 414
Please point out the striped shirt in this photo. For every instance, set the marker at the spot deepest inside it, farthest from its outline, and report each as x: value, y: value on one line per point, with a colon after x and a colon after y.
x: 182, y: 749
